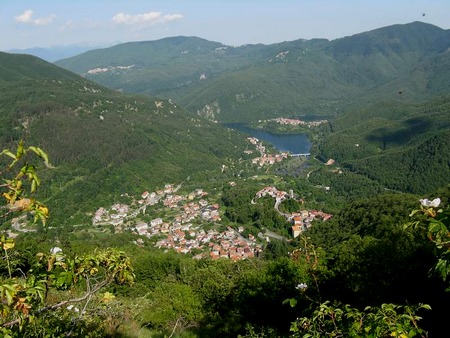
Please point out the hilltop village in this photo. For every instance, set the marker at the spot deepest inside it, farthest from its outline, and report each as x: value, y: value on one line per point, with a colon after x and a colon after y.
x: 188, y: 226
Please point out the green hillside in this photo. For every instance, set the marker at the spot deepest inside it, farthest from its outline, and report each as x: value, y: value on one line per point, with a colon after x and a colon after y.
x: 15, y: 67
x: 156, y: 67
x: 296, y: 78
x: 403, y: 146
x: 103, y: 143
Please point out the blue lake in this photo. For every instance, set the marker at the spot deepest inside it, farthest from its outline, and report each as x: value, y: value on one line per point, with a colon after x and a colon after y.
x: 293, y: 143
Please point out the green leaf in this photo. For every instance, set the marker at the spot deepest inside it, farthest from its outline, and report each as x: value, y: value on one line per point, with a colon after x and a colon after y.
x: 38, y: 151
x: 425, y: 306
x: 8, y: 153
x: 293, y: 302
x: 9, y: 294
x: 33, y: 186
x: 20, y: 150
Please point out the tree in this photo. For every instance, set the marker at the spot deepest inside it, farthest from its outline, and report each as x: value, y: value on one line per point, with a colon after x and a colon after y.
x: 336, y: 320
x: 333, y: 319
x: 171, y: 307
x: 435, y: 222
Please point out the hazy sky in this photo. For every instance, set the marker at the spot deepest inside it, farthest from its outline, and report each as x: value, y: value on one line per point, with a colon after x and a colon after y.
x: 45, y: 23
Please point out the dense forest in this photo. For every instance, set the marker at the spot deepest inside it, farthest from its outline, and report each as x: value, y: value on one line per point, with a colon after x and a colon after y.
x: 413, y: 139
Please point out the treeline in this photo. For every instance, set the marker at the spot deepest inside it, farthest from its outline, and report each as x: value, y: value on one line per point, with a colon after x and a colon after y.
x: 417, y: 170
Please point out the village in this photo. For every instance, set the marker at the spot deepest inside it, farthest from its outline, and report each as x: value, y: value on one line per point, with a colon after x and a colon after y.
x: 264, y: 158
x: 191, y: 221
x: 301, y: 220
x: 185, y: 231
x: 295, y: 122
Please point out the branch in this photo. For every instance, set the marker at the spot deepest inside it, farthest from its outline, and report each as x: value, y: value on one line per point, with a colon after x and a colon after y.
x: 174, y: 328
x: 56, y: 306
x: 7, y: 214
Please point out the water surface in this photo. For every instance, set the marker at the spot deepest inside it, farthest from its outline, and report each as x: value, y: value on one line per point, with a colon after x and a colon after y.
x: 293, y: 143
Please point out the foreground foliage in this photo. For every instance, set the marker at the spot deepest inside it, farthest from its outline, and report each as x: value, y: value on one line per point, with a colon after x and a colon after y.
x: 387, y: 320
x: 335, y: 320
x: 29, y: 296
x: 325, y: 280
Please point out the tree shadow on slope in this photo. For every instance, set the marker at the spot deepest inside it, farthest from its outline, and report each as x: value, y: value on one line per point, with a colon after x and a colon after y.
x: 387, y: 136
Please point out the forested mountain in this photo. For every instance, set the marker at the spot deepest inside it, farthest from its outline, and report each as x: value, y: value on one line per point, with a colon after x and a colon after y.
x: 405, y: 147
x: 384, y: 91
x: 18, y: 67
x: 101, y: 142
x: 295, y: 78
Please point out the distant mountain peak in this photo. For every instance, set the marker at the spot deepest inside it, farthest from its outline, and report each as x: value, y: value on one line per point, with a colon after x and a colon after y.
x: 261, y: 81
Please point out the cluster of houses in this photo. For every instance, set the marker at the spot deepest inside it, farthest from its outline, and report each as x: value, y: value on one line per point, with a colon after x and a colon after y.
x: 301, y: 220
x: 258, y: 144
x: 264, y: 159
x: 295, y: 122
x: 280, y: 56
x: 108, y: 69
x: 273, y: 192
x: 180, y: 234
x: 269, y: 159
x: 212, y: 243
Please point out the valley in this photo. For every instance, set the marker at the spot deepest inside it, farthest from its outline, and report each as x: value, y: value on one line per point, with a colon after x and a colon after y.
x: 218, y: 191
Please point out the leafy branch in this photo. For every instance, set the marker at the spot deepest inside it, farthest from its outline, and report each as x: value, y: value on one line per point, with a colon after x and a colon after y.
x: 26, y: 298
x: 97, y: 270
x: 16, y: 189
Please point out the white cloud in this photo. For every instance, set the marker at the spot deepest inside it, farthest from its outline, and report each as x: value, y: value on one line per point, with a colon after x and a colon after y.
x: 145, y: 19
x: 27, y: 17
x: 68, y: 26
x: 172, y: 17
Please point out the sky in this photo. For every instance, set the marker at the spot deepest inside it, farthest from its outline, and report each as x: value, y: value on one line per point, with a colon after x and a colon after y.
x: 46, y: 23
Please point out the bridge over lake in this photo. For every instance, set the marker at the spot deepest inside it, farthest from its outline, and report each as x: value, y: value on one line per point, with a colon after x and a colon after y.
x: 301, y: 155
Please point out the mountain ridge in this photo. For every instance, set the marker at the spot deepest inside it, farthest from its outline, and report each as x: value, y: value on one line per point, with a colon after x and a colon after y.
x: 252, y: 82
